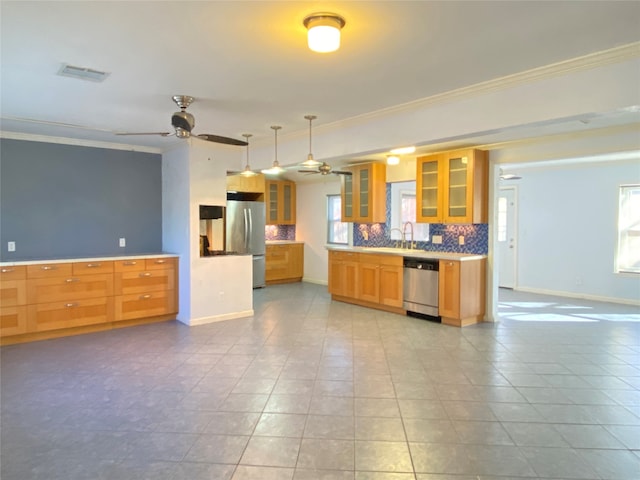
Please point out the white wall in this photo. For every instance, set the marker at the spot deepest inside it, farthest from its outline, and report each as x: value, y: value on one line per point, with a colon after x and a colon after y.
x: 311, y: 225
x: 567, y: 230
x: 211, y: 288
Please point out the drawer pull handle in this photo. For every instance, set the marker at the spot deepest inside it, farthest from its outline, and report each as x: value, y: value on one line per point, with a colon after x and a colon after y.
x: 7, y: 270
x: 145, y: 274
x: 129, y: 263
x: 93, y: 265
x: 160, y: 261
x: 145, y: 297
x: 70, y: 305
x: 47, y: 267
x: 72, y: 280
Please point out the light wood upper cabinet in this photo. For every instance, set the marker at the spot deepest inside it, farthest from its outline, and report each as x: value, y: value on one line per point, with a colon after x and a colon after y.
x: 241, y: 183
x: 280, y: 199
x: 452, y: 187
x: 363, y: 193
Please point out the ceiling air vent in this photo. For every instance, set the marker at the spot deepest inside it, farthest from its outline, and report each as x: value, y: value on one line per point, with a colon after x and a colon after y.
x: 82, y: 73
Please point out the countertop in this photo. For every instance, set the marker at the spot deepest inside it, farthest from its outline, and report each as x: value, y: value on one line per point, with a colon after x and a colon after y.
x: 407, y: 252
x: 282, y: 242
x: 86, y: 259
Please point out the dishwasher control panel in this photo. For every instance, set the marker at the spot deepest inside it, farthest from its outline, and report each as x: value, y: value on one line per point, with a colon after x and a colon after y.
x: 421, y: 264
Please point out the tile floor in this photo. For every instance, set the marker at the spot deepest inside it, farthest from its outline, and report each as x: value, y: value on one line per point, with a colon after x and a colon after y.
x: 310, y: 389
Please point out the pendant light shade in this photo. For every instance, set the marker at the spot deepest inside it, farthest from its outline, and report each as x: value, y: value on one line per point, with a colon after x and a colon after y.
x: 310, y: 162
x: 323, y: 31
x: 247, y: 172
x: 275, y: 168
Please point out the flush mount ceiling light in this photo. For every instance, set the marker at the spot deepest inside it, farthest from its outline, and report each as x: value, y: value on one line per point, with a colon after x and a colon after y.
x: 247, y: 172
x: 393, y: 160
x: 275, y: 168
x: 323, y: 34
x: 403, y: 150
x: 310, y: 162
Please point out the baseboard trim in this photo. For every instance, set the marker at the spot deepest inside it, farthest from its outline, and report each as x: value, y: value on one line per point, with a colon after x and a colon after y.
x: 317, y: 281
x: 217, y: 318
x: 581, y: 296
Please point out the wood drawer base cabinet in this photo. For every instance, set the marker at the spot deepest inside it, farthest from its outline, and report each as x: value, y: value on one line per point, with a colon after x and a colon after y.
x: 50, y: 300
x: 369, y: 280
x: 284, y: 263
x: 461, y: 291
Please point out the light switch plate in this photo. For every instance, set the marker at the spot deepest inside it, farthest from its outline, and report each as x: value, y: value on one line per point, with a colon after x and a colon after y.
x: 11, y: 246
x: 437, y: 239
x: 461, y: 240
x: 122, y: 242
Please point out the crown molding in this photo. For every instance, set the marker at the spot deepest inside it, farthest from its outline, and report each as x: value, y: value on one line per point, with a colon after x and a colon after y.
x: 587, y: 62
x: 77, y: 142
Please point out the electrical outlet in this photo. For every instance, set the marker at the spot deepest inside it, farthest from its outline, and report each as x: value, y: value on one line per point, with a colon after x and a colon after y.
x: 461, y: 240
x: 122, y: 242
x: 11, y: 246
x: 437, y: 239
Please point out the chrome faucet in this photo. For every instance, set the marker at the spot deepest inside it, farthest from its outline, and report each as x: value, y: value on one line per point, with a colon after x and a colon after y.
x: 404, y: 234
x: 401, y: 236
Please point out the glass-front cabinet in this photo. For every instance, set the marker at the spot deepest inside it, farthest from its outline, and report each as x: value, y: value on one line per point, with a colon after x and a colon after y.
x: 452, y: 187
x: 364, y: 193
x: 280, y: 202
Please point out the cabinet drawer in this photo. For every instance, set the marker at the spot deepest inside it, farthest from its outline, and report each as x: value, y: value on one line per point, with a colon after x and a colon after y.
x: 57, y: 315
x: 84, y: 268
x: 159, y: 263
x: 133, y: 265
x: 144, y: 282
x: 391, y: 260
x: 129, y: 307
x: 13, y: 320
x: 344, y: 256
x: 49, y: 270
x: 13, y: 292
x: 69, y: 288
x: 13, y: 273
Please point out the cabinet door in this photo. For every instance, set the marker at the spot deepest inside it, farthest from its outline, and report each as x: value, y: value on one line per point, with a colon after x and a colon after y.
x: 57, y: 315
x: 449, y: 289
x: 13, y: 292
x: 368, y: 287
x: 288, y: 211
x: 391, y: 277
x: 428, y: 190
x: 13, y: 320
x: 458, y: 193
x: 343, y: 273
x: 272, y: 202
x: 69, y: 288
x: 348, y: 212
x: 363, y: 193
x: 276, y: 262
x: 129, y: 307
x: 336, y: 274
x: 144, y: 282
x: 296, y: 260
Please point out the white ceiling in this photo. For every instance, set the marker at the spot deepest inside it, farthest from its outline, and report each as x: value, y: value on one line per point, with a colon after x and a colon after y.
x: 248, y: 65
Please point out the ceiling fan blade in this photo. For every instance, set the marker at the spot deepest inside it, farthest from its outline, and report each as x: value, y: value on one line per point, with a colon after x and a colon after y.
x: 308, y: 171
x: 219, y: 139
x: 162, y: 134
x: 342, y: 173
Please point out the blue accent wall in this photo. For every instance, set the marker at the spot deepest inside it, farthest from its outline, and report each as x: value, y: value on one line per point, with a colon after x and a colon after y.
x: 476, y: 236
x: 68, y: 201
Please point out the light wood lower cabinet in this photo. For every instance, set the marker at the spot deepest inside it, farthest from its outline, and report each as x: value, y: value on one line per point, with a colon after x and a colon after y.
x: 284, y: 263
x: 461, y: 291
x: 366, y: 279
x: 55, y: 299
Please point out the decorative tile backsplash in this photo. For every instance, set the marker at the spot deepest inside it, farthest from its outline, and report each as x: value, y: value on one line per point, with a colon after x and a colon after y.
x: 280, y: 232
x: 476, y: 236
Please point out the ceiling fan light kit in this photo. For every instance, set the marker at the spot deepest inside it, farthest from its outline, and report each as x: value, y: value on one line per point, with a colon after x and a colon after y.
x: 323, y: 31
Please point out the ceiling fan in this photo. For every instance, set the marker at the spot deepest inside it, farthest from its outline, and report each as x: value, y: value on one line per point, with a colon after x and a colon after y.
x: 323, y: 168
x: 183, y: 123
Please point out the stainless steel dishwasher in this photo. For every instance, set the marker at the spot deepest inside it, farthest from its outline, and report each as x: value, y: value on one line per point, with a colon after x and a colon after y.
x: 420, y: 286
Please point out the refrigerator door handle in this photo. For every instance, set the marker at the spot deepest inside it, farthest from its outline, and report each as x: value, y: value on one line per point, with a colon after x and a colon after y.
x: 246, y: 230
x: 250, y: 228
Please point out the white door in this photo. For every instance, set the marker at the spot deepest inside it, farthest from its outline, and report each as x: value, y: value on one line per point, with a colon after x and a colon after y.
x: 507, y: 237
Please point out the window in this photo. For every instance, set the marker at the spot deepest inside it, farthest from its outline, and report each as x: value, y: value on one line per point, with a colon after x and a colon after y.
x: 403, y: 210
x: 628, y: 254
x: 337, y: 231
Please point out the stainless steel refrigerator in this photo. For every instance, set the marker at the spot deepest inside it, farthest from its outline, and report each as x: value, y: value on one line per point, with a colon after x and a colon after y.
x: 245, y: 234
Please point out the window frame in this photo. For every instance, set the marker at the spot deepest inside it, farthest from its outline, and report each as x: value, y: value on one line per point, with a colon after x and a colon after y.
x: 333, y: 221
x: 622, y: 233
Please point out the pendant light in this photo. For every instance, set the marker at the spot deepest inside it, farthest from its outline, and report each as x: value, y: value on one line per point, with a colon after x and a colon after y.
x: 310, y: 162
x: 247, y: 172
x: 275, y: 168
